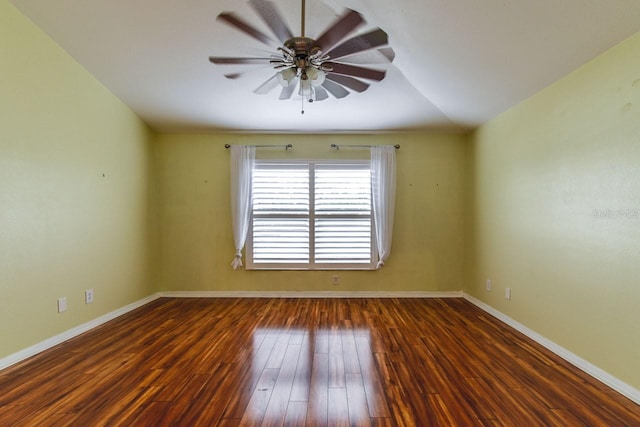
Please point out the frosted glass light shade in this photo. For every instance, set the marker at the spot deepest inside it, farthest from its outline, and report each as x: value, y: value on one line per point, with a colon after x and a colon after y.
x: 286, y: 76
x: 305, y: 88
x: 316, y: 76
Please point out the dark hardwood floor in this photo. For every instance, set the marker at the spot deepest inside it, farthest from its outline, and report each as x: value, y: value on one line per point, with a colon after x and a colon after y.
x: 379, y: 362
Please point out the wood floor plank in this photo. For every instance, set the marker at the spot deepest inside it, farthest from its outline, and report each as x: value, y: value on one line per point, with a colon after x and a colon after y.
x: 376, y: 399
x: 228, y: 422
x: 336, y: 359
x: 44, y: 418
x: 483, y: 397
x: 350, y: 353
x: 302, y: 378
x: 254, y: 413
x: 207, y: 406
x: 173, y: 410
x: 357, y: 401
x: 324, y: 362
x: 279, y: 401
x: 443, y: 413
x: 296, y: 414
x: 247, y: 382
x: 338, y: 407
x: 321, y: 341
x: 383, y: 422
x: 279, y: 350
x: 152, y: 414
x: 317, y: 410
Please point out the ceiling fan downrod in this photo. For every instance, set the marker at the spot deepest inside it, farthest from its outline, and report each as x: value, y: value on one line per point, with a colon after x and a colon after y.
x: 302, y: 18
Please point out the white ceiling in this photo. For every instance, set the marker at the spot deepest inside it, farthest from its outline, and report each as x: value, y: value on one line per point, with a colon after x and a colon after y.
x: 458, y: 63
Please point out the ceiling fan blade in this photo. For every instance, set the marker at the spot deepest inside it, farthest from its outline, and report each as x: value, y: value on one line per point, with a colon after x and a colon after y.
x: 334, y: 89
x: 270, y: 15
x: 350, y: 82
x: 288, y: 91
x: 388, y: 53
x: 321, y: 93
x: 383, y: 55
x: 348, y: 22
x: 361, y: 43
x: 267, y: 86
x: 354, y: 70
x: 233, y: 60
x: 238, y: 74
x: 246, y: 28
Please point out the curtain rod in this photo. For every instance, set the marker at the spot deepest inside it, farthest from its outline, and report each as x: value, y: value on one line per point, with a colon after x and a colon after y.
x: 337, y: 147
x: 286, y: 147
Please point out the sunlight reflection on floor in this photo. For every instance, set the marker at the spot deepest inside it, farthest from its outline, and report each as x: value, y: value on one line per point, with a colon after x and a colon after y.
x: 324, y: 375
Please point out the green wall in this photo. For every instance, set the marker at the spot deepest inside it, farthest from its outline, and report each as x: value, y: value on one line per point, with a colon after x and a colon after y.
x: 196, y: 242
x: 555, y: 212
x: 64, y: 227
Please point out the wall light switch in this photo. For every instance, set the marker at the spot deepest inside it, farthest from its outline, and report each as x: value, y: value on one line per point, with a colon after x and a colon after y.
x: 507, y: 293
x: 62, y: 304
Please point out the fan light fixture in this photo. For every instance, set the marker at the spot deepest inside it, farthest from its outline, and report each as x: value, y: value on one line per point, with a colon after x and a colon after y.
x: 301, y: 59
x: 315, y: 67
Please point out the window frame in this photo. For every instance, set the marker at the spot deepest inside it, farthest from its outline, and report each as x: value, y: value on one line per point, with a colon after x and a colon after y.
x: 312, y: 265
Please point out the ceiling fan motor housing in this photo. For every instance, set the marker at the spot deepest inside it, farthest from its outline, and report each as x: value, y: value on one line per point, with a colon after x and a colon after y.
x: 304, y: 48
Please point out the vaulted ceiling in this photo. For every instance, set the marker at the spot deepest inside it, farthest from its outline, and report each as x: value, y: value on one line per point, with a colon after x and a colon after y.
x: 458, y: 63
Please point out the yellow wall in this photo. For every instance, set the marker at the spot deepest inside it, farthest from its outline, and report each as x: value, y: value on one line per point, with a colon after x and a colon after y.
x: 555, y: 212
x: 63, y: 226
x: 544, y: 199
x: 196, y: 240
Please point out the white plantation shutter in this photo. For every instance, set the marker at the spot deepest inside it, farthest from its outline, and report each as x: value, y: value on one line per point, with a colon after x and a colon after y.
x: 280, y: 228
x: 311, y: 215
x: 342, y: 214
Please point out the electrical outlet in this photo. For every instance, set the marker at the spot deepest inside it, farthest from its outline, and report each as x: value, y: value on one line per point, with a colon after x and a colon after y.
x: 62, y: 304
x: 488, y: 285
x: 507, y: 293
x: 335, y: 279
x: 88, y: 296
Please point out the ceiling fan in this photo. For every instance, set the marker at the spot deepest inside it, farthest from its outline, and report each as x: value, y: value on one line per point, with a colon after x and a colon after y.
x: 315, y: 67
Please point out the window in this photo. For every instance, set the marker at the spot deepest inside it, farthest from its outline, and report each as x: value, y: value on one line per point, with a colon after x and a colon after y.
x: 311, y: 215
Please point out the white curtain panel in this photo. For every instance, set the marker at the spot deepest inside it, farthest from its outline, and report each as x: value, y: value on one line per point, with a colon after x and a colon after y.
x: 383, y: 191
x: 242, y: 160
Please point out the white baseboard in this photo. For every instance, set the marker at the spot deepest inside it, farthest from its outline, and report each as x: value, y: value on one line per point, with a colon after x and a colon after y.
x: 305, y: 294
x: 14, y: 358
x: 599, y: 374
